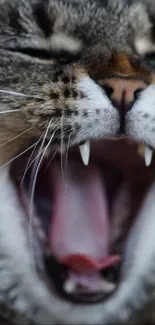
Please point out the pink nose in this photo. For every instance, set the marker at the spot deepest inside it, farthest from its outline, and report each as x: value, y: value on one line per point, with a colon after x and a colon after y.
x: 123, y: 92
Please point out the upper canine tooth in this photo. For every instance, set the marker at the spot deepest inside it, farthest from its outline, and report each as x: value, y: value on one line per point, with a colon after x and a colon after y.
x: 85, y: 152
x: 108, y: 287
x: 141, y: 150
x: 148, y: 154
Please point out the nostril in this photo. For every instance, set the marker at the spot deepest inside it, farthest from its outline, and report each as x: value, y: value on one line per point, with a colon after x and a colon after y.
x: 137, y: 93
x: 108, y: 90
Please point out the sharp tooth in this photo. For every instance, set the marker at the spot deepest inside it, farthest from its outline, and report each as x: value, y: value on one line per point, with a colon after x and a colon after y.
x: 141, y: 150
x: 69, y: 286
x: 148, y: 154
x: 108, y: 287
x: 85, y: 152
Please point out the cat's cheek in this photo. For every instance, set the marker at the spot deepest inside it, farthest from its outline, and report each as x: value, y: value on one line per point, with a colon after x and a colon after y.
x: 8, y: 153
x: 140, y: 121
x: 93, y: 111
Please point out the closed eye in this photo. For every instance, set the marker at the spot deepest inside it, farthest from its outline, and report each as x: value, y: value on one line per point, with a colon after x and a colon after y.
x: 35, y: 53
x: 60, y: 57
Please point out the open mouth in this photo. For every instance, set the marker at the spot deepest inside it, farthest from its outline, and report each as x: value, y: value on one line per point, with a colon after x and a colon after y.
x: 81, y: 215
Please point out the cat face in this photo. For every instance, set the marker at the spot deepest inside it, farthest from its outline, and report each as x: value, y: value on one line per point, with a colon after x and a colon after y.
x: 76, y: 235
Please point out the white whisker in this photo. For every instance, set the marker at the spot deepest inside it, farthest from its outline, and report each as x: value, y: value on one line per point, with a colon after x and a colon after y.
x: 55, y: 152
x: 34, y: 176
x: 30, y: 163
x: 67, y: 151
x: 10, y: 111
x: 14, y: 93
x: 62, y: 146
x: 19, y: 155
x: 16, y: 137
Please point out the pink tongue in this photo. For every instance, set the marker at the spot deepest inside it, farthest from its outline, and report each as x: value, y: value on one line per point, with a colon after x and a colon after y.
x: 79, y: 232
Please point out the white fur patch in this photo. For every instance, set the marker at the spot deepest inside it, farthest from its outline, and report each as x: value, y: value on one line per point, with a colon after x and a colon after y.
x: 140, y: 121
x: 101, y: 115
x: 63, y: 42
x: 144, y: 45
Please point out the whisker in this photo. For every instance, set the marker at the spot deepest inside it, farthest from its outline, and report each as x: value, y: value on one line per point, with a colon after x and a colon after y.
x: 62, y: 146
x: 67, y: 151
x: 37, y: 163
x: 60, y: 153
x: 34, y: 176
x: 10, y: 111
x: 30, y: 163
x: 16, y: 137
x: 51, y: 159
x: 19, y: 155
x: 14, y: 93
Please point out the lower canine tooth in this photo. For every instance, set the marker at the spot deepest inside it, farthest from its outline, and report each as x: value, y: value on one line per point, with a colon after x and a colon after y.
x: 85, y: 152
x: 108, y: 287
x: 148, y: 154
x: 69, y: 286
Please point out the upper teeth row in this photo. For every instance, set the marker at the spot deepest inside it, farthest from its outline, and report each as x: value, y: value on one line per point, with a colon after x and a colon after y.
x: 143, y: 150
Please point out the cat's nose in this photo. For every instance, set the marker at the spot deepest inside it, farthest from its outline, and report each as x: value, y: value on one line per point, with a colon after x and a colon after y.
x: 123, y: 92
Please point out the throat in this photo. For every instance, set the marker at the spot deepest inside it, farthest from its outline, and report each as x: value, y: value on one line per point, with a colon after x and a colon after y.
x: 80, y: 228
x: 79, y: 236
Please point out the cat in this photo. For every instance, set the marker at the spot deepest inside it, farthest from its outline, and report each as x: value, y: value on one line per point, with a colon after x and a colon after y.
x: 76, y: 242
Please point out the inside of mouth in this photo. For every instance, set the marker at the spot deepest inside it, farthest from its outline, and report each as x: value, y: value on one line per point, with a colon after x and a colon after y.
x: 82, y: 215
